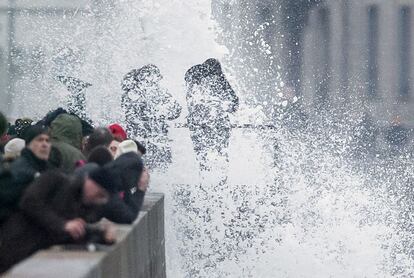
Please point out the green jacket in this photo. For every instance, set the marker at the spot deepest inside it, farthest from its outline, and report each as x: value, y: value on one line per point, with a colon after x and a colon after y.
x: 66, y: 133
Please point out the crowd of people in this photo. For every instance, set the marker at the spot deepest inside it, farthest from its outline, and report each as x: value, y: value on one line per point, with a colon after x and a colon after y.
x: 59, y: 177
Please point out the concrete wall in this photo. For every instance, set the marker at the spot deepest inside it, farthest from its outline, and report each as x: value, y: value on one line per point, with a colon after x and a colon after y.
x: 139, y: 252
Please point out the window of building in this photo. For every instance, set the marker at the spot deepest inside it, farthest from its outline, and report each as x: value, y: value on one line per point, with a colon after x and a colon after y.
x: 373, y: 38
x: 404, y: 39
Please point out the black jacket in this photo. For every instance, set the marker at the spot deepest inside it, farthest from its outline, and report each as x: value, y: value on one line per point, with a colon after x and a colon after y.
x: 127, y: 170
x: 50, y: 201
x: 123, y: 210
x: 22, y: 172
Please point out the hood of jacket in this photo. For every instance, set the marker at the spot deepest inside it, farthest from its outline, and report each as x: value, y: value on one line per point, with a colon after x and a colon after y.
x: 68, y: 129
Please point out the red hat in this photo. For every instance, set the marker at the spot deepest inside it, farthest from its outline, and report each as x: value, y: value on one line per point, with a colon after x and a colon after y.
x: 118, y: 132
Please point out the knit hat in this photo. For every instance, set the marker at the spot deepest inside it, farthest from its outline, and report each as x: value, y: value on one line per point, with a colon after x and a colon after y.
x: 126, y: 147
x: 100, y: 155
x: 126, y: 170
x: 104, y: 178
x: 32, y: 132
x: 118, y: 132
x: 14, y: 147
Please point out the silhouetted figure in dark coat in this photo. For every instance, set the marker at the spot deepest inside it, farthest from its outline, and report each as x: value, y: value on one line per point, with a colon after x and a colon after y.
x: 210, y: 101
x: 147, y: 107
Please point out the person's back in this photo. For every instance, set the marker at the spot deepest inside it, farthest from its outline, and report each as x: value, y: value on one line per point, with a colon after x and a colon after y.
x: 210, y: 101
x: 210, y: 98
x: 66, y: 133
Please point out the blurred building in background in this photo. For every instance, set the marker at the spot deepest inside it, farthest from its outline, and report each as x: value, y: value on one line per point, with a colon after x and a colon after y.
x: 358, y: 55
x: 35, y: 40
x: 348, y: 54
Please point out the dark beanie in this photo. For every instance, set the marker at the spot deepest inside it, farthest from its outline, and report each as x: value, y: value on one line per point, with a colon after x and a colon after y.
x: 3, y: 124
x: 100, y: 155
x: 104, y: 178
x: 32, y: 132
x: 126, y: 170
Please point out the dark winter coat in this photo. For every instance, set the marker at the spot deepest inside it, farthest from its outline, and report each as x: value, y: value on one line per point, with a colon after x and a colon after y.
x: 127, y: 169
x: 13, y: 183
x: 50, y: 201
x: 66, y: 133
x: 210, y: 98
x: 147, y: 105
x: 123, y: 210
x: 124, y: 205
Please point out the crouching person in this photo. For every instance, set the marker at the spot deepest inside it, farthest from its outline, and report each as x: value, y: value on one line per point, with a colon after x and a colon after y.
x: 131, y: 182
x: 55, y: 209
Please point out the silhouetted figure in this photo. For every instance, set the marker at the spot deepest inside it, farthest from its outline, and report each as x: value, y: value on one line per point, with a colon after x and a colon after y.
x: 77, y: 100
x: 210, y: 101
x: 147, y: 106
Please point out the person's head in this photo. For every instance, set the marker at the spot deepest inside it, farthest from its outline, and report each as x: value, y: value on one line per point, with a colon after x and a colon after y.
x: 14, y: 147
x: 195, y: 75
x: 93, y: 193
x: 68, y: 129
x: 3, y: 124
x: 98, y: 185
x: 126, y: 147
x: 38, y: 141
x: 100, y: 137
x: 126, y: 170
x: 213, y: 65
x: 100, y: 155
x: 129, y: 81
x: 118, y: 132
x: 113, y: 147
x: 149, y: 73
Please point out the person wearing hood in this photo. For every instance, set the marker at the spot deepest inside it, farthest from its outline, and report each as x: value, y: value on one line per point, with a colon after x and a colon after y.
x: 147, y: 107
x: 87, y: 127
x: 210, y: 100
x: 66, y: 133
x: 56, y: 209
x: 32, y: 162
x: 132, y: 179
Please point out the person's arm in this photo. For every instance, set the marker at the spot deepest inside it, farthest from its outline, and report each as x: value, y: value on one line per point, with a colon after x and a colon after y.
x: 96, y: 234
x: 117, y: 211
x: 134, y: 201
x: 172, y: 107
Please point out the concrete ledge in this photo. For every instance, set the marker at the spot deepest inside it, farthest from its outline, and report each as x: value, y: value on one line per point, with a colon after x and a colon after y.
x: 139, y: 252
